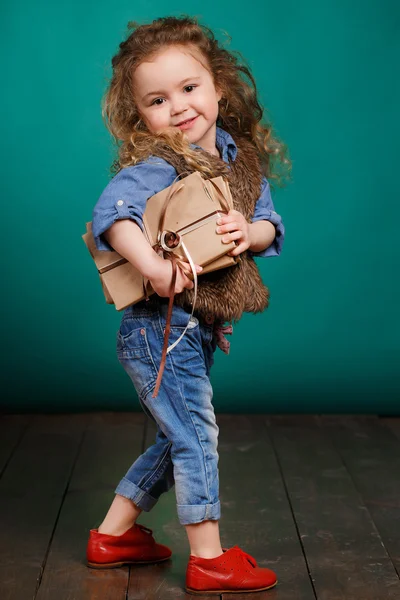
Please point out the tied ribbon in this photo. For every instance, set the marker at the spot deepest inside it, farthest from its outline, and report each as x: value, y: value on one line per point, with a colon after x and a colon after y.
x: 220, y: 331
x: 167, y: 241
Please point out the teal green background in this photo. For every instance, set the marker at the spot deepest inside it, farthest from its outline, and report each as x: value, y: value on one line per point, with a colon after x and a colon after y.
x: 328, y: 74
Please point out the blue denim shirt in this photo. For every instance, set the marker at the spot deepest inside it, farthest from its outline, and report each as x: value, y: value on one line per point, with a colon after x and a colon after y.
x: 126, y: 195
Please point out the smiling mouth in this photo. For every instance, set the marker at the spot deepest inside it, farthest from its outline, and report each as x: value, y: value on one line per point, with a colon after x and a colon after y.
x: 186, y: 122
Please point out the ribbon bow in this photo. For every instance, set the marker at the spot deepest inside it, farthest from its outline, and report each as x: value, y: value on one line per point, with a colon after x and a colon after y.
x: 220, y: 331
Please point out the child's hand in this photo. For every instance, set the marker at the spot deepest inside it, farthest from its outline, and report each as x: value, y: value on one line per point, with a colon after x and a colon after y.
x: 161, y: 280
x: 235, y: 228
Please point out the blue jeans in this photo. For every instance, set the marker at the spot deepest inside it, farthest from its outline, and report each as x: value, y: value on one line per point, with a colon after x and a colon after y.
x: 185, y: 450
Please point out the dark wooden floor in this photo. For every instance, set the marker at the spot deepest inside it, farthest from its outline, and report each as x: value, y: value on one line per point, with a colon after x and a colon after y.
x: 315, y: 498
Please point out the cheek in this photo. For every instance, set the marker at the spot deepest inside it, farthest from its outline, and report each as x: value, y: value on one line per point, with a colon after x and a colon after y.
x: 155, y: 119
x: 210, y: 104
x: 212, y: 108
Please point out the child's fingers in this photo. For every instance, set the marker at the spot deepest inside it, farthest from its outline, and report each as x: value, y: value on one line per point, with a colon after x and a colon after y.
x: 233, y: 215
x: 187, y: 282
x: 239, y: 249
x: 186, y: 268
x: 234, y: 235
x: 231, y: 226
x: 185, y: 277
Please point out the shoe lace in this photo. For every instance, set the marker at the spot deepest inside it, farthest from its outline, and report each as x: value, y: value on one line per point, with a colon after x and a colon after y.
x: 246, y: 557
x: 144, y: 529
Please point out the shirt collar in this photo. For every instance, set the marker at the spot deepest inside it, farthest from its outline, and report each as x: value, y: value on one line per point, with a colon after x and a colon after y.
x: 225, y: 145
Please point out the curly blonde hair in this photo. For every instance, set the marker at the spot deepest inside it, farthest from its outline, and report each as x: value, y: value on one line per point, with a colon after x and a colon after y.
x: 240, y: 112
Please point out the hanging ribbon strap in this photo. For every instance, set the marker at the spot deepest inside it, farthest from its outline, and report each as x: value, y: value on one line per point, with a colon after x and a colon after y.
x: 168, y: 241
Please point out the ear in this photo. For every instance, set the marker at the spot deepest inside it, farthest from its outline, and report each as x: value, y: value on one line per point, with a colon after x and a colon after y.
x: 219, y: 94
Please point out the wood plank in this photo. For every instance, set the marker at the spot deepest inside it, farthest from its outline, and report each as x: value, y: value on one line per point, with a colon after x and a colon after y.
x: 338, y: 533
x: 371, y: 452
x: 31, y: 493
x: 393, y: 423
x: 165, y: 581
x: 344, y: 551
x: 12, y: 428
x: 111, y: 444
x: 256, y: 514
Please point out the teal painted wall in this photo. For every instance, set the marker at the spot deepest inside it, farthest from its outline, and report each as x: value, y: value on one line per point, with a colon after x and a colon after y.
x: 328, y: 73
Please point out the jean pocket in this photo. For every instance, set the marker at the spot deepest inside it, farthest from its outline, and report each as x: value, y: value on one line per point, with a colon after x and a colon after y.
x: 134, y: 354
x: 133, y: 343
x: 192, y: 323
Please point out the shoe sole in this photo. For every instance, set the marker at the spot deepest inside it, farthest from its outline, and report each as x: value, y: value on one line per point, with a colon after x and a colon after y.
x: 217, y: 592
x: 126, y: 562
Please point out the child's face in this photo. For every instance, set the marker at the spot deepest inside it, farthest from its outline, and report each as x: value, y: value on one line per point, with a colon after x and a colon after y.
x: 174, y: 89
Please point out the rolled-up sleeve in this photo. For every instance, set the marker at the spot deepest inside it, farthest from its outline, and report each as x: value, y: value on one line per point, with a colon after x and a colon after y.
x: 126, y: 195
x: 265, y: 211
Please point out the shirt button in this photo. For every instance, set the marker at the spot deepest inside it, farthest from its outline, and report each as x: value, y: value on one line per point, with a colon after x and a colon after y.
x: 120, y: 202
x: 142, y: 331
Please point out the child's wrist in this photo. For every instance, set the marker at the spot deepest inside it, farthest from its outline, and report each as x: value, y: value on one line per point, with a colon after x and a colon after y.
x: 261, y: 235
x: 155, y: 267
x: 252, y: 236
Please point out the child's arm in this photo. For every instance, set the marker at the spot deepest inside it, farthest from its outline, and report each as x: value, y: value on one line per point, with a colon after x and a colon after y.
x: 248, y: 236
x: 262, y: 234
x: 126, y: 237
x: 118, y: 220
x: 265, y: 214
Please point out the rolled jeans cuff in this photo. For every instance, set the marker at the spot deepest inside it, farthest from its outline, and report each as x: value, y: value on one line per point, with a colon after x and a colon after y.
x: 129, y: 490
x: 189, y: 514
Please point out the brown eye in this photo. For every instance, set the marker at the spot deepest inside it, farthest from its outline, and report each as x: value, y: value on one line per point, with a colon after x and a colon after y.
x: 157, y: 101
x: 190, y: 88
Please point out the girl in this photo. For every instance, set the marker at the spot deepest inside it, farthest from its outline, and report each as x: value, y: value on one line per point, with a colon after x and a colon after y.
x: 179, y: 102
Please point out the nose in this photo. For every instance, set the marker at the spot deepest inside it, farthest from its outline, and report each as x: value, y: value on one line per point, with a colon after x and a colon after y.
x: 178, y: 105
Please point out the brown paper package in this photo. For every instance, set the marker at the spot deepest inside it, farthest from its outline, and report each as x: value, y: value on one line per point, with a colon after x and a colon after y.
x: 192, y: 212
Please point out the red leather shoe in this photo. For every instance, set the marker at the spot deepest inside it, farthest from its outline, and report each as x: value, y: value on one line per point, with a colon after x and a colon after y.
x: 233, y: 571
x: 135, y: 546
